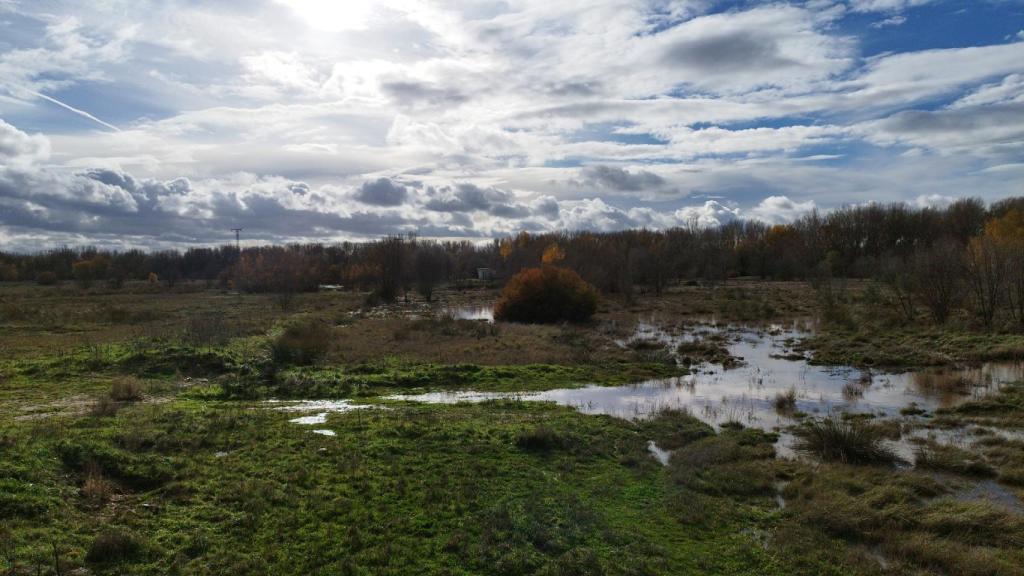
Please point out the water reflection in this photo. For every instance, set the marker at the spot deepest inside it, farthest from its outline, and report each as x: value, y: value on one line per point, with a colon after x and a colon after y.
x: 482, y: 313
x: 770, y: 368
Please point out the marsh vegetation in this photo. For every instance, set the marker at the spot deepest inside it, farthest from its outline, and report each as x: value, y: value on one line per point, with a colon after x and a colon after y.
x: 727, y: 427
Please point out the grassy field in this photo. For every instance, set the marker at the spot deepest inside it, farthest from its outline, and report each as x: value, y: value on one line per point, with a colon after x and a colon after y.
x: 135, y: 439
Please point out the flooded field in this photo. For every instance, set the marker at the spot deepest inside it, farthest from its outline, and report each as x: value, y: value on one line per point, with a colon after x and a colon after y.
x: 766, y: 384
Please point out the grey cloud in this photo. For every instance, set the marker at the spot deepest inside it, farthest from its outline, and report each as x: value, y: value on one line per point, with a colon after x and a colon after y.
x: 382, y: 192
x: 620, y: 180
x: 466, y: 198
x: 411, y: 93
x: 939, y: 121
x: 723, y: 53
x: 994, y: 131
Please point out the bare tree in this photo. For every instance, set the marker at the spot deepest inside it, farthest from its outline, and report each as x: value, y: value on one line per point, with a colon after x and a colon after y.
x: 431, y: 267
x: 900, y: 285
x: 938, y: 275
x: 986, y: 276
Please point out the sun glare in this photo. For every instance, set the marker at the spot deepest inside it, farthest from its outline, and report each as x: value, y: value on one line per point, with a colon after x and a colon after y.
x: 333, y: 15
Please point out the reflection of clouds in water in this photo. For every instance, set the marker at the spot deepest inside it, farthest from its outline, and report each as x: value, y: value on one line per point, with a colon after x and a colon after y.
x: 746, y: 394
x: 485, y: 313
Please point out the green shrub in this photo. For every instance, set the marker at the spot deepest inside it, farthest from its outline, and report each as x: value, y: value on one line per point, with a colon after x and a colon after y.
x: 303, y: 342
x: 546, y: 295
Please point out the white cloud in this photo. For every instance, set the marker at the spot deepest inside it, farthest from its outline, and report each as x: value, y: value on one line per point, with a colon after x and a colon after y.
x: 522, y: 114
x: 711, y: 213
x: 896, y: 20
x: 933, y: 201
x: 885, y: 5
x: 780, y: 209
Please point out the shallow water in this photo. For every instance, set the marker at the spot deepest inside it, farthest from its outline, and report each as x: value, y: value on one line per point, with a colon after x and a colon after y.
x: 321, y: 408
x: 483, y: 313
x: 747, y: 393
x: 660, y: 455
x: 770, y: 367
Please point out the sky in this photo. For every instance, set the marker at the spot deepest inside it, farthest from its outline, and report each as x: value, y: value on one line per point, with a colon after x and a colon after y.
x: 166, y: 123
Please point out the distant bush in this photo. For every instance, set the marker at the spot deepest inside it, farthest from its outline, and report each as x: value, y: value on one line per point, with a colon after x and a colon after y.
x: 544, y: 295
x: 302, y: 342
x: 46, y: 278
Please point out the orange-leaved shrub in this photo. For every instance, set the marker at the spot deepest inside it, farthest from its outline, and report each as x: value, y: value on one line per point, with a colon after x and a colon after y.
x: 548, y: 294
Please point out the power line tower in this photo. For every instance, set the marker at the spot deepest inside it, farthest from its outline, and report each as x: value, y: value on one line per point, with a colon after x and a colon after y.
x: 238, y: 241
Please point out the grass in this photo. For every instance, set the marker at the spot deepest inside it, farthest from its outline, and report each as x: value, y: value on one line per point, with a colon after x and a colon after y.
x: 858, y: 514
x: 947, y: 458
x: 503, y: 487
x: 129, y: 444
x: 785, y: 402
x: 911, y: 346
x: 849, y: 441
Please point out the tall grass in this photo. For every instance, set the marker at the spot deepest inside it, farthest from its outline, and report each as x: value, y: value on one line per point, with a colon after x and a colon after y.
x: 785, y: 402
x: 849, y: 441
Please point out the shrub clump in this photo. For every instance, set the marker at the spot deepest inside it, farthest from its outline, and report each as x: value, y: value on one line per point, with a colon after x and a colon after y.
x: 849, y: 441
x: 46, y: 278
x: 125, y: 389
x: 543, y: 439
x: 302, y: 342
x: 546, y: 295
x: 115, y: 546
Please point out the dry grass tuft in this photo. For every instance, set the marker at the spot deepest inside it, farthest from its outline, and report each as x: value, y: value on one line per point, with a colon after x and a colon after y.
x: 126, y: 389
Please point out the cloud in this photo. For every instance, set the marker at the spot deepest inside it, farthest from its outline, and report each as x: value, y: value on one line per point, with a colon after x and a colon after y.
x: 897, y: 20
x: 472, y: 198
x: 933, y: 201
x: 780, y: 210
x: 772, y: 46
x: 730, y: 52
x: 382, y: 192
x: 993, y: 130
x: 412, y: 93
x: 509, y: 115
x: 711, y: 213
x: 19, y: 149
x: 885, y: 5
x: 619, y: 179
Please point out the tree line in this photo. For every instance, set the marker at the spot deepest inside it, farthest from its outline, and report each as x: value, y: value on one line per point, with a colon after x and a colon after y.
x: 935, y: 258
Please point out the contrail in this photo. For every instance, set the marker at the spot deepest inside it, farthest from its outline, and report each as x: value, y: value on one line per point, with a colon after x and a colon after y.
x: 82, y: 113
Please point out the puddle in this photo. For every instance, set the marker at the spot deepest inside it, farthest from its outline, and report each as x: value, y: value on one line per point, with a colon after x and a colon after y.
x: 993, y: 492
x: 321, y: 407
x: 660, y: 455
x: 318, y: 405
x: 325, y: 432
x: 770, y: 368
x: 320, y: 418
x: 482, y: 313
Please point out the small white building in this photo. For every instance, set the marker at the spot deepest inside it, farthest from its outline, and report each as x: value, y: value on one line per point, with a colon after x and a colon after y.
x: 484, y: 274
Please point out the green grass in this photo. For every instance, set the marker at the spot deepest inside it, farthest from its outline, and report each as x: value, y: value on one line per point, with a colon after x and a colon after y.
x: 910, y: 346
x: 131, y: 443
x: 413, y: 489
